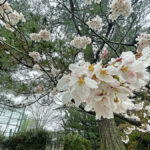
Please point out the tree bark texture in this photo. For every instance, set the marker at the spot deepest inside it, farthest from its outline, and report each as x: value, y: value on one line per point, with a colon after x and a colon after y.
x: 109, y: 135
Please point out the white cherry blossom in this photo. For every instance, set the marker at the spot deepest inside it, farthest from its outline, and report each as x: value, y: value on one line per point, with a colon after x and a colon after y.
x: 35, y: 55
x: 80, y: 42
x: 95, y: 23
x: 106, y: 88
x: 143, y: 41
x: 45, y: 35
x: 36, y: 67
x: 120, y: 7
x: 125, y: 139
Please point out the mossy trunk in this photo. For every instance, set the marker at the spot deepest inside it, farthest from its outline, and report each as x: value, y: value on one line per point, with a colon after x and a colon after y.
x: 109, y: 136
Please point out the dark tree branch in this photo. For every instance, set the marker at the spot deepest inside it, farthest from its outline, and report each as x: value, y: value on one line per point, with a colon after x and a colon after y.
x: 3, y: 3
x: 110, y: 25
x: 101, y: 37
x: 130, y: 27
x: 129, y: 120
x: 73, y: 17
x: 120, y: 116
x: 23, y: 105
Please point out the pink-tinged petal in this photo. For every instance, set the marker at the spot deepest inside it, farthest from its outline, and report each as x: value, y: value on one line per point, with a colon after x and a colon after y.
x: 80, y: 91
x: 119, y: 59
x: 78, y: 100
x: 111, y: 70
x: 73, y: 80
x: 90, y: 83
x: 73, y: 67
x: 63, y: 83
x: 107, y: 78
x: 66, y: 98
x: 128, y: 57
x: 132, y: 74
x: 115, y: 84
x: 105, y: 53
x: 98, y: 98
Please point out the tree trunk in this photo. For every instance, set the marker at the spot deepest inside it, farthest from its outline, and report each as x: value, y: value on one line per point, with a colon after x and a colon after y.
x: 109, y: 136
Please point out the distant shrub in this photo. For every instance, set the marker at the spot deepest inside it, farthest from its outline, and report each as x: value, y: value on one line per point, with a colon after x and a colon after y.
x: 29, y: 140
x: 76, y: 142
x: 2, y: 138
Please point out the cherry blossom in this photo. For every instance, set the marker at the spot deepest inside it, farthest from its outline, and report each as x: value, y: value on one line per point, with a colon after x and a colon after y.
x: 45, y: 35
x: 80, y: 42
x: 120, y: 7
x: 95, y: 23
x: 125, y: 139
x: 105, y: 88
x: 35, y: 55
x: 35, y: 37
x: 143, y: 41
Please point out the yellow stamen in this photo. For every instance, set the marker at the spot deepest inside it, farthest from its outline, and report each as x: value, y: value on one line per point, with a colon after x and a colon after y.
x: 116, y: 100
x: 116, y: 90
x: 91, y: 68
x: 121, y: 84
x: 103, y: 72
x: 138, y: 55
x: 94, y: 77
x: 101, y: 65
x: 116, y: 77
x: 104, y: 93
x: 114, y: 64
x: 124, y: 69
x: 81, y: 80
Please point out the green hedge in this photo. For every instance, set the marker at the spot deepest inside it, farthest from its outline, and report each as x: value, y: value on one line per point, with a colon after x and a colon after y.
x: 30, y: 140
x: 76, y: 142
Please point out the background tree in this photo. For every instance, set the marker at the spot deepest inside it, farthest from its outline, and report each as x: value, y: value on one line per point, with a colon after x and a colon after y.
x: 44, y: 117
x: 82, y: 123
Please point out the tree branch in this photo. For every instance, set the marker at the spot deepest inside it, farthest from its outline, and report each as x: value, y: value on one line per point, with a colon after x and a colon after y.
x: 110, y: 25
x: 3, y: 3
x: 120, y: 116
x: 73, y: 17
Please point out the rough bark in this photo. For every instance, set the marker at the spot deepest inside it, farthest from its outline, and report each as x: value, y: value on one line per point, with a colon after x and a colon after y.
x: 109, y: 136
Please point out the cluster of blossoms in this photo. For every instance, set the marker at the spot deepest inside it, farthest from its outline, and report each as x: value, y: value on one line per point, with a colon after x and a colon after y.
x: 36, y: 57
x: 90, y: 1
x: 143, y: 41
x: 10, y: 17
x: 95, y: 23
x: 125, y: 139
x: 120, y: 7
x: 127, y: 131
x: 36, y: 67
x: 105, y: 89
x: 54, y: 71
x: 43, y: 34
x: 144, y: 110
x: 144, y: 56
x: 143, y: 128
x: 80, y: 42
x: 38, y: 89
